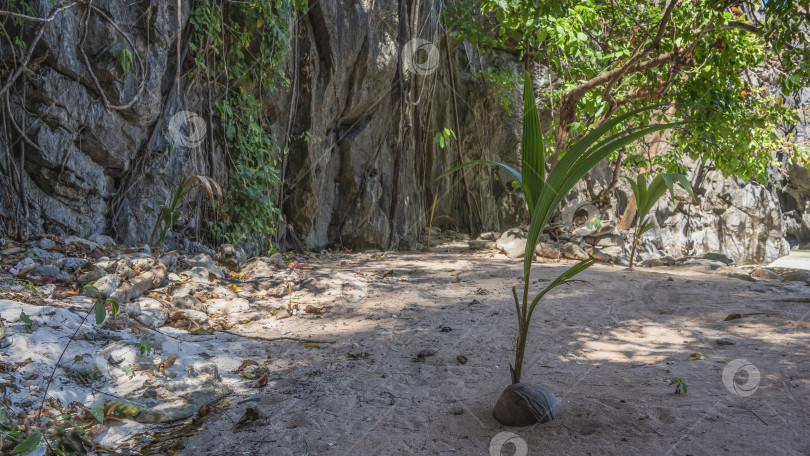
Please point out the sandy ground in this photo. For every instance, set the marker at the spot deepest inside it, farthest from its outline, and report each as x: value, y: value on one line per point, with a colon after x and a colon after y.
x: 798, y: 259
x: 607, y: 348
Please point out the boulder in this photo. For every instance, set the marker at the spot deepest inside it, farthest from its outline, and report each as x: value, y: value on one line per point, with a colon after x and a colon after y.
x: 599, y: 255
x: 49, y: 270
x: 715, y: 256
x: 229, y: 257
x: 489, y: 236
x: 91, y: 276
x: 203, y: 260
x: 196, y: 274
x: 651, y: 263
x: 107, y: 285
x: 481, y: 244
x: 797, y: 275
x: 545, y: 250
x: 152, y: 313
x: 70, y: 263
x: 188, y: 302
x: 609, y: 240
x: 765, y: 274
x: 46, y: 243
x: 76, y: 239
x: 513, y: 243
x: 226, y: 306
x: 277, y: 261
x: 574, y: 252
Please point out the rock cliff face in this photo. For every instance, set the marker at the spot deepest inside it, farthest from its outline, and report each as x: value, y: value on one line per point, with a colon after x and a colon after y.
x: 740, y: 219
x: 85, y: 166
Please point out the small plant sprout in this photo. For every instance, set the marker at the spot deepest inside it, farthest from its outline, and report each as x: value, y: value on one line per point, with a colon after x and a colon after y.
x: 100, y: 305
x: 28, y: 324
x: 524, y: 404
x: 143, y: 347
x: 680, y: 385
x: 171, y: 212
x: 289, y: 292
x: 442, y: 137
x: 646, y: 197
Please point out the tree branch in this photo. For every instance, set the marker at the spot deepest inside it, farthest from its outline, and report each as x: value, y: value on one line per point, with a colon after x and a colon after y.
x: 33, y: 44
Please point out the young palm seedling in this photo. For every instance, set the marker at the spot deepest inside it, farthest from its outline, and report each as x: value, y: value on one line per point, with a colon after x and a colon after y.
x: 171, y: 212
x: 646, y: 197
x: 523, y: 404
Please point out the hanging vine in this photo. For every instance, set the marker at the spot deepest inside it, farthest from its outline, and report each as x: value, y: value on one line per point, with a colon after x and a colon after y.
x: 240, y: 49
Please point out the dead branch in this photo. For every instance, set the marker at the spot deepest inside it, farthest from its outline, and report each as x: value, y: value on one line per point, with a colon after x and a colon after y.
x: 150, y: 279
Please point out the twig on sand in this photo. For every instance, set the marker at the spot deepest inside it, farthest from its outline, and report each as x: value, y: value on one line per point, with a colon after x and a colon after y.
x: 760, y: 418
x: 273, y: 339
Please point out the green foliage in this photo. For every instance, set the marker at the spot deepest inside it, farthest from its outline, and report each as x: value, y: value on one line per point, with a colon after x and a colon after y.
x: 504, y: 82
x: 98, y: 412
x: 28, y: 443
x: 240, y: 47
x: 703, y: 56
x: 100, y: 305
x: 143, y: 347
x: 543, y: 194
x: 171, y: 212
x: 28, y: 324
x: 442, y: 137
x: 646, y: 197
x: 594, y: 223
x: 125, y: 60
x: 680, y: 385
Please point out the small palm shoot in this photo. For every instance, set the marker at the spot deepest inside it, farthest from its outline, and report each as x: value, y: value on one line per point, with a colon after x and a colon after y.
x: 543, y: 195
x: 647, y: 195
x: 171, y: 212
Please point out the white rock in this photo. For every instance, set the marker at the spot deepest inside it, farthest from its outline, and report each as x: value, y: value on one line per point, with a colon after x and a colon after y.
x: 69, y: 239
x: 227, y: 306
x: 107, y: 285
x: 102, y: 239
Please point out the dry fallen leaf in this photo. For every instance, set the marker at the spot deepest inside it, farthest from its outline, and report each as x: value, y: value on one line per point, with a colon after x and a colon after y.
x: 310, y: 309
x: 246, y: 363
x: 251, y: 414
x: 166, y: 363
x: 260, y: 383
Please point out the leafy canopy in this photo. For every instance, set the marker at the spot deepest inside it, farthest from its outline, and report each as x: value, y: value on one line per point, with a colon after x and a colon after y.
x: 720, y: 60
